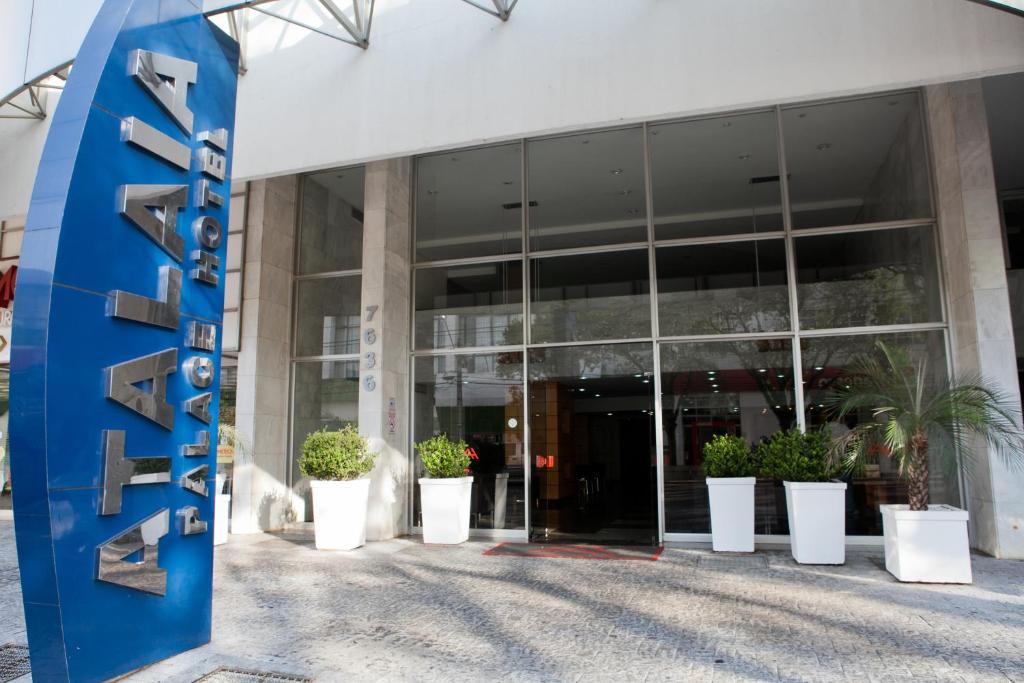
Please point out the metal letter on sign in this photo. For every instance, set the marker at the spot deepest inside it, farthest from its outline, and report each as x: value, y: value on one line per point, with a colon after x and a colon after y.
x: 114, y: 365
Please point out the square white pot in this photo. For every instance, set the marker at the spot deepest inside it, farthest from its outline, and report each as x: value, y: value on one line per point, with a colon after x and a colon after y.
x: 732, y: 513
x: 445, y: 506
x: 928, y: 546
x: 339, y: 513
x: 221, y: 510
x: 817, y: 521
x: 221, y: 507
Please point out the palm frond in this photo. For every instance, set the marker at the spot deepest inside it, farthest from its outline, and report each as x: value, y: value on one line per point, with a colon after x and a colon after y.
x: 903, y: 402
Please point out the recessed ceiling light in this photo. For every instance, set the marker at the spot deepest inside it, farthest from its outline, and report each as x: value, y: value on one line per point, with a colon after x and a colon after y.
x: 777, y: 406
x: 455, y: 158
x: 582, y: 389
x: 616, y: 171
x: 340, y: 176
x: 638, y: 375
x: 780, y: 375
x: 893, y: 103
x: 609, y: 413
x: 744, y: 157
x: 584, y: 142
x: 433, y: 192
x: 762, y: 370
x: 802, y: 115
x: 823, y: 146
x: 625, y: 193
x: 716, y: 391
x: 647, y: 381
x: 508, y: 182
x: 633, y: 212
x: 727, y: 124
x: 819, y: 368
x: 597, y: 395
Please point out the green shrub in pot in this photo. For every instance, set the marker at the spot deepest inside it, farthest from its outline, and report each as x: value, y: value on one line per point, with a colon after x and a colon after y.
x: 338, y: 455
x: 443, y: 458
x: 727, y: 455
x: 791, y: 455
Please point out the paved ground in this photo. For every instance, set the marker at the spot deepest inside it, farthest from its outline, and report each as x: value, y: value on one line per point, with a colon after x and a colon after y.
x: 401, y: 611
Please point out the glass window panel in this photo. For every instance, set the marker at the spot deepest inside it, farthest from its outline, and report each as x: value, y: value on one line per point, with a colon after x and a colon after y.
x: 879, y: 277
x: 234, y: 261
x: 230, y: 331
x: 477, y: 305
x: 327, y: 320
x: 592, y: 443
x: 477, y: 398
x: 590, y: 297
x: 232, y: 290
x: 236, y: 214
x: 860, y: 161
x: 743, y: 388
x: 830, y: 363
x: 723, y: 288
x: 587, y: 190
x: 716, y: 176
x: 469, y: 203
x: 331, y: 221
x: 325, y: 396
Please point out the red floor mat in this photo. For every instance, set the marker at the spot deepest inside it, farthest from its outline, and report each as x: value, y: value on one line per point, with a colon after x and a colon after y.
x: 575, y: 552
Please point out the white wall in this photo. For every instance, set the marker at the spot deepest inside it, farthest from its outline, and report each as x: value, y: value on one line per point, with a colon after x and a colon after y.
x: 441, y: 74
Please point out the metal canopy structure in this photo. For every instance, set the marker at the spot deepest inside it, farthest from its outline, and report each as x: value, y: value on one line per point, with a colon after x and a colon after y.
x: 502, y: 8
x: 354, y: 20
x: 29, y: 101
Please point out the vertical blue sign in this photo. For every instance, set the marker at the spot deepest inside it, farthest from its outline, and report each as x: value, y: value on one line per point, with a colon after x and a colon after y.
x: 115, y: 364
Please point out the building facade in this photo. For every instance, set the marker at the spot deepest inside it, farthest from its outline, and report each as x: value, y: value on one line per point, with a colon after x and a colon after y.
x: 589, y: 238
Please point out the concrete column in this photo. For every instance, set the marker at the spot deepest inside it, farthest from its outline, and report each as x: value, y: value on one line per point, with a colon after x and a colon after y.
x: 384, y: 375
x: 979, y: 305
x: 260, y: 495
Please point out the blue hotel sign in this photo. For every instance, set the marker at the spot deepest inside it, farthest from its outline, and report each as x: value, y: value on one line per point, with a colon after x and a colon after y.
x: 114, y: 377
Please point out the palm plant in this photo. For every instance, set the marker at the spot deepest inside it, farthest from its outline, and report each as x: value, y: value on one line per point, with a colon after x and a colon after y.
x: 915, y: 418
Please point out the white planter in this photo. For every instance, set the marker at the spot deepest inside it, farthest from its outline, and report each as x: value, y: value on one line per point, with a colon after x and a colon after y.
x: 732, y: 513
x: 339, y: 513
x: 221, y: 510
x: 445, y: 505
x: 929, y: 546
x: 817, y: 521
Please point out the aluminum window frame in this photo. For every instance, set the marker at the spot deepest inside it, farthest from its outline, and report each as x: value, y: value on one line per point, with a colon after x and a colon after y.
x: 296, y: 278
x: 788, y: 234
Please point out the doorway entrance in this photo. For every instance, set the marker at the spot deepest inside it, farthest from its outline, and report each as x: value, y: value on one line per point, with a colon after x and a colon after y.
x: 592, y: 444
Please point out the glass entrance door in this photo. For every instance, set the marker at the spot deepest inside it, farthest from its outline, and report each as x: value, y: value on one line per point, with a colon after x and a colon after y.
x: 592, y: 430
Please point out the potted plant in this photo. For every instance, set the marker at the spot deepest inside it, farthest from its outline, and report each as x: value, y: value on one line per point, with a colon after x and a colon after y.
x: 337, y: 461
x: 446, y: 490
x: 815, y: 502
x: 916, y: 420
x: 730, y: 470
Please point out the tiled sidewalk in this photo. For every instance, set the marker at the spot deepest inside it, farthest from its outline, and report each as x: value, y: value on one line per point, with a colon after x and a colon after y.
x: 401, y: 611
